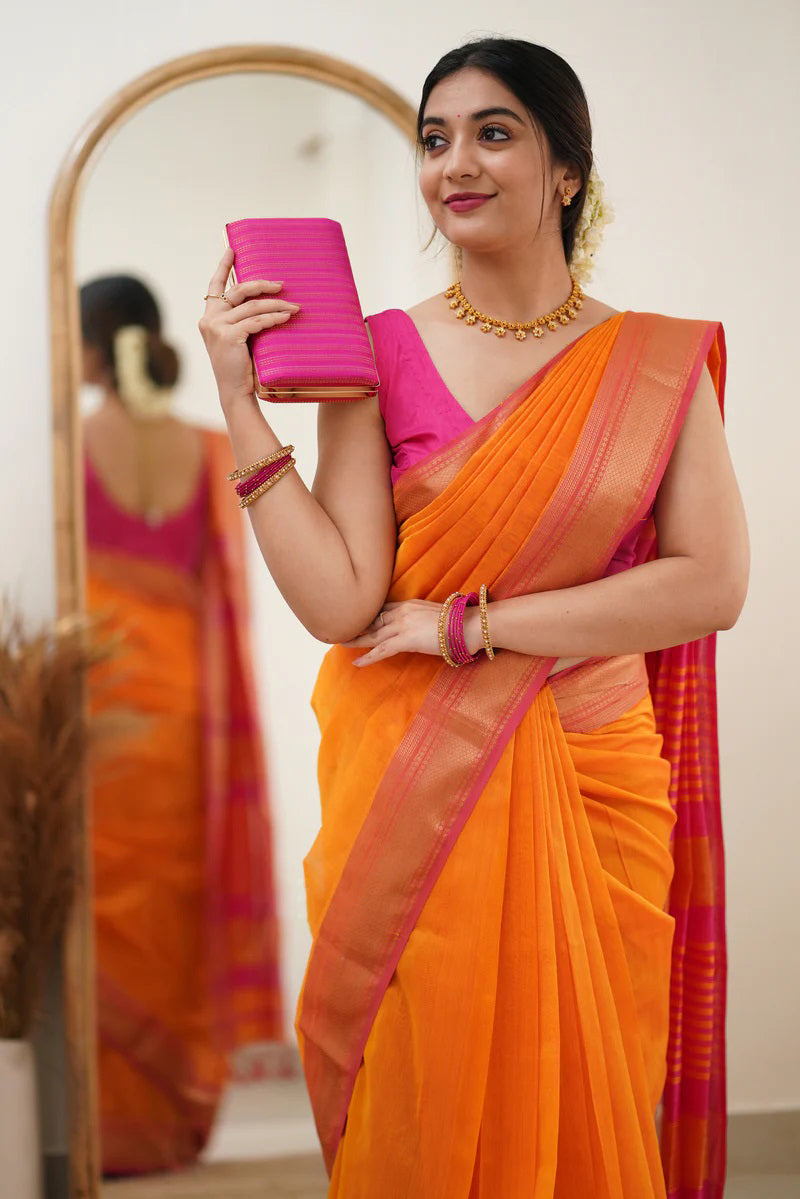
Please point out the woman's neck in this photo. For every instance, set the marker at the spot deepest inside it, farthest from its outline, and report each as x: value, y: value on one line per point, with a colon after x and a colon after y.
x: 113, y: 409
x: 112, y: 406
x: 514, y: 284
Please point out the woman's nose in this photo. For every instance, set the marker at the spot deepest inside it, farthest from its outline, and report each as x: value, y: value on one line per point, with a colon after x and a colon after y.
x: 460, y: 161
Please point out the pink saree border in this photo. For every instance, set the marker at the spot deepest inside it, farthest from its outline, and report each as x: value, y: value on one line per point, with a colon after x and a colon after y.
x: 620, y: 430
x: 684, y: 691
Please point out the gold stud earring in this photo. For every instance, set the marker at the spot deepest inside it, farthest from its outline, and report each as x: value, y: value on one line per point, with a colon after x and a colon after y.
x: 565, y: 199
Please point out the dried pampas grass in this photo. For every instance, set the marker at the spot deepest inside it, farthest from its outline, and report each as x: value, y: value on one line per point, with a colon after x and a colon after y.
x: 45, y: 736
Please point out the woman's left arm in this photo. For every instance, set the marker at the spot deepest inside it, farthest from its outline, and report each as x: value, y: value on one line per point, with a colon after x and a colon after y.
x: 697, y: 584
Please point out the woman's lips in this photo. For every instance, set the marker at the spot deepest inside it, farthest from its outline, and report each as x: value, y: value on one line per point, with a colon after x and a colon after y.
x: 467, y: 205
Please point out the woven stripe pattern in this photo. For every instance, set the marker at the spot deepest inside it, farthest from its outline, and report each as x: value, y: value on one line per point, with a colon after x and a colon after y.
x: 324, y: 345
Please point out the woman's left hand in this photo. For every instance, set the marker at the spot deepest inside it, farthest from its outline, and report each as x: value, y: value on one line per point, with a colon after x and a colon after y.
x: 412, y: 626
x: 408, y: 626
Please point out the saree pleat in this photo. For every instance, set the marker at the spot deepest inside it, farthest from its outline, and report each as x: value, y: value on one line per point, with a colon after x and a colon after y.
x: 486, y: 1008
x: 583, y: 1074
x: 554, y: 968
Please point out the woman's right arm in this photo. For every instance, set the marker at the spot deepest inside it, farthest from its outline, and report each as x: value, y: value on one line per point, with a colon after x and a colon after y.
x: 330, y: 550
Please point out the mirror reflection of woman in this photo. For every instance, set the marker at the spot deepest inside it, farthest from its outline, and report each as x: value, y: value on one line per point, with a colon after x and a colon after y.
x: 517, y: 979
x: 185, y: 923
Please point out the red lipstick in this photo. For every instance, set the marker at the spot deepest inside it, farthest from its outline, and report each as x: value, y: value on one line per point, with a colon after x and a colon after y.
x: 466, y: 201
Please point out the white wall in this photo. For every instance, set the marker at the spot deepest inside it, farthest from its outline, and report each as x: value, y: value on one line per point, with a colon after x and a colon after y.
x: 694, y: 107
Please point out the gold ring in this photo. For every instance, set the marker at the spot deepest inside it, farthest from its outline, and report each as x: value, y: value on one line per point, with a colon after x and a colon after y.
x: 222, y: 297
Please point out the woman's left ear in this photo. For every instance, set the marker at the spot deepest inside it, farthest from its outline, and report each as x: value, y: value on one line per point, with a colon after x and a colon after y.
x: 571, y: 179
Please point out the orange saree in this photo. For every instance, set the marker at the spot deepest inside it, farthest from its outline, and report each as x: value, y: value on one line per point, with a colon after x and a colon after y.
x: 495, y: 998
x: 184, y: 906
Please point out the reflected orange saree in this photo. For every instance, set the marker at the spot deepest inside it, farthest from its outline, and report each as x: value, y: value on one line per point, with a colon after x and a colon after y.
x: 518, y: 938
x: 186, y: 932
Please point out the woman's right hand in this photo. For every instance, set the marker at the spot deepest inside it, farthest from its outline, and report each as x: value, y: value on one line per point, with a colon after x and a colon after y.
x: 225, y: 327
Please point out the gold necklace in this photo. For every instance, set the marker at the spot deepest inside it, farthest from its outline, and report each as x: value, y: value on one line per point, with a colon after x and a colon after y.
x: 562, y: 315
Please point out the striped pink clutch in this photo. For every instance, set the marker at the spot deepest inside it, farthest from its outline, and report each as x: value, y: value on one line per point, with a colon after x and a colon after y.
x: 323, y: 352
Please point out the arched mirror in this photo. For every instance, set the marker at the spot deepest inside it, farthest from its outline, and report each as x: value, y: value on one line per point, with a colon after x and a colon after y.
x: 143, y: 196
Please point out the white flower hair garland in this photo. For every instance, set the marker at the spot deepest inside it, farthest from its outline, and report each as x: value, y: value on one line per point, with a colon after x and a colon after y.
x: 140, y: 394
x: 597, y: 213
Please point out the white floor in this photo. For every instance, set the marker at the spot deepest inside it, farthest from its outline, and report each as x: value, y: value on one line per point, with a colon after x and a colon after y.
x: 263, y: 1119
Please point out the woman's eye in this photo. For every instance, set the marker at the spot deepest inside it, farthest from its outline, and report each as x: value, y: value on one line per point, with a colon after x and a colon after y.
x: 503, y: 135
x: 428, y: 142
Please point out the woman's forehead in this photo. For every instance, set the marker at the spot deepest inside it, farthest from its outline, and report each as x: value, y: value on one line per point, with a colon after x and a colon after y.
x: 470, y: 90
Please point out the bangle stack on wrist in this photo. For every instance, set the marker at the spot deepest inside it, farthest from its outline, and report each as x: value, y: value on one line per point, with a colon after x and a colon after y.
x: 257, y: 479
x: 452, y: 644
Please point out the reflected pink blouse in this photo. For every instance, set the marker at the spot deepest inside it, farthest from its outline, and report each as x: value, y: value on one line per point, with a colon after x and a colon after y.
x: 420, y: 413
x: 177, y: 541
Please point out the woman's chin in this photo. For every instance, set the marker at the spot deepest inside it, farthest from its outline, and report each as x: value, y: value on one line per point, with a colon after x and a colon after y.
x: 478, y: 242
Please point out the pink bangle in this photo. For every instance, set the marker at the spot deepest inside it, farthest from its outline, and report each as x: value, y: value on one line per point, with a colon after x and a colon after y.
x: 455, y: 628
x: 248, y: 486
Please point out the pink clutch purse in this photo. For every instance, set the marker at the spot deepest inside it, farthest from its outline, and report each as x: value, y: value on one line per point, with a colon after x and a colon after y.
x: 323, y: 352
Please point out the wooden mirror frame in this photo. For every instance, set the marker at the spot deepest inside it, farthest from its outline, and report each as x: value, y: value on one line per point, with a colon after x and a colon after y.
x: 78, y: 949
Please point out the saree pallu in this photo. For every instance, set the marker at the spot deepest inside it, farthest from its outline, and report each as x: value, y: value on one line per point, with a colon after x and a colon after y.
x: 184, y: 905
x: 516, y: 893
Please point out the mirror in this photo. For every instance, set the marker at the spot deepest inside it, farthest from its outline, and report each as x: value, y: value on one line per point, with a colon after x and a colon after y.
x: 200, y: 142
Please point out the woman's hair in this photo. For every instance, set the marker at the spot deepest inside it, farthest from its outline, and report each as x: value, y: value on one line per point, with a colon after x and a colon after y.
x: 111, y: 303
x: 551, y: 92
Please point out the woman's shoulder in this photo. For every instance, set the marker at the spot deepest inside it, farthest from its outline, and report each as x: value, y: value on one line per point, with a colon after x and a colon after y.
x: 392, y: 328
x: 385, y: 321
x: 387, y: 329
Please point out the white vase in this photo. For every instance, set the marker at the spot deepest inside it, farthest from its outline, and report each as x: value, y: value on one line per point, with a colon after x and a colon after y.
x: 20, y: 1154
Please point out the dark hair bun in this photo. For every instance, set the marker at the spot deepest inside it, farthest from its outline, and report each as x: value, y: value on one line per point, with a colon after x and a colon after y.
x: 110, y: 302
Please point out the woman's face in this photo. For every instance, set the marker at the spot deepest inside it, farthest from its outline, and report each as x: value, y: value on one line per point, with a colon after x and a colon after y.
x: 478, y: 138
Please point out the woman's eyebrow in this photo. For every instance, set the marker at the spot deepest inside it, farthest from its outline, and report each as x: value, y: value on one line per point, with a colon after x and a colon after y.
x: 477, y: 116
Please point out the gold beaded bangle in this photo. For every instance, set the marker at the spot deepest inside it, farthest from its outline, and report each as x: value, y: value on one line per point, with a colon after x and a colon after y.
x: 446, y: 606
x: 251, y: 499
x: 249, y: 470
x: 483, y: 596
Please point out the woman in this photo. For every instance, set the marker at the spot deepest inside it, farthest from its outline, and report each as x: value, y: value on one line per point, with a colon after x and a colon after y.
x: 185, y: 923
x: 503, y: 981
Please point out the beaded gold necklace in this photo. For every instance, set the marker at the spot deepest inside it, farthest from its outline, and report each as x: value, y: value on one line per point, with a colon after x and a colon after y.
x: 562, y: 315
